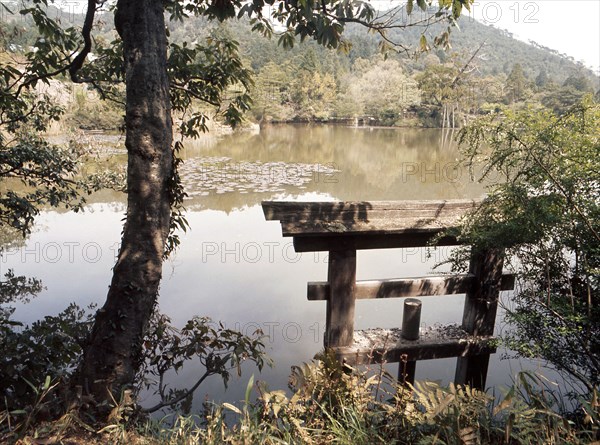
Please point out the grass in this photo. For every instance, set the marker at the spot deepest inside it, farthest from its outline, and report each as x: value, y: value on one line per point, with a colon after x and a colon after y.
x: 329, y: 406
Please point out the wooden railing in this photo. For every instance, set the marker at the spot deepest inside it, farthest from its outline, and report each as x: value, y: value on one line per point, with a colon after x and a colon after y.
x: 342, y: 228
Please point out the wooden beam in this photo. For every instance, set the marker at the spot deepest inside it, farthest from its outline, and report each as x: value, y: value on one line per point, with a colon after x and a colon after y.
x: 340, y: 305
x: 472, y: 370
x: 356, y: 210
x: 391, y: 350
x: 481, y: 303
x: 275, y: 209
x: 365, y: 241
x: 408, y: 287
x: 377, y: 217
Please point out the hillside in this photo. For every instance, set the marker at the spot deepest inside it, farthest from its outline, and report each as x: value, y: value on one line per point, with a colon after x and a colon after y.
x: 500, y: 53
x: 501, y: 50
x: 309, y: 82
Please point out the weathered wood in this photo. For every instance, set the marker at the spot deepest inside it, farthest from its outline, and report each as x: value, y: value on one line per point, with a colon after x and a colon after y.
x: 472, y: 370
x: 377, y: 217
x: 479, y: 316
x: 408, y: 287
x: 342, y: 228
x: 445, y: 349
x: 389, y: 347
x: 274, y: 210
x: 482, y: 302
x: 407, y: 371
x: 340, y: 306
x: 411, y: 319
x: 323, y: 243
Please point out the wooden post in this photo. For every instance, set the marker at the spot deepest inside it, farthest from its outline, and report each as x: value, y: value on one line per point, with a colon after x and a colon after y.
x: 411, y: 319
x: 479, y: 315
x: 411, y: 322
x: 406, y: 371
x: 339, y: 330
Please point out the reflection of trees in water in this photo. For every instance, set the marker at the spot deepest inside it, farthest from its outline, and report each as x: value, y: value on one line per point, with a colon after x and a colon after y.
x: 319, y: 143
x: 373, y: 163
x: 10, y: 239
x: 13, y: 288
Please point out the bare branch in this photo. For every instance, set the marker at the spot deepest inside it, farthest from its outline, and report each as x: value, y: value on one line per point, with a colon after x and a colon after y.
x: 77, y: 63
x: 179, y: 398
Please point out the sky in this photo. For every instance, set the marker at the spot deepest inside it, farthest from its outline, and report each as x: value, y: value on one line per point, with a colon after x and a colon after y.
x: 569, y: 26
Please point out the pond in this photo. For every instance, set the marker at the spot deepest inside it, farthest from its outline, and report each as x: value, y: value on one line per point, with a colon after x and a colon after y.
x: 235, y: 267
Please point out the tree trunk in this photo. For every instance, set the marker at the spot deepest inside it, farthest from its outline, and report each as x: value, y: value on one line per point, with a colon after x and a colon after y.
x: 111, y: 357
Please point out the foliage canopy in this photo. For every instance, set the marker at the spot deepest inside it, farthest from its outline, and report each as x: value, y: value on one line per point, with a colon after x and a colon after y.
x: 546, y: 211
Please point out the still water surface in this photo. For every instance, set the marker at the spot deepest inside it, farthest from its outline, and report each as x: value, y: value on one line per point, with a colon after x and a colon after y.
x: 235, y: 267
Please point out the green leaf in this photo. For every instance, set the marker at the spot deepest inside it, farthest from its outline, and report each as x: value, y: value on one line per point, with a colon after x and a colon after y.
x: 506, y: 402
x: 249, y: 389
x: 456, y: 9
x: 409, y: 7
x: 31, y: 385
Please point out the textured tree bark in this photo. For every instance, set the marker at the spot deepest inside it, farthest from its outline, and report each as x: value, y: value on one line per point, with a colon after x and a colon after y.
x: 112, y: 354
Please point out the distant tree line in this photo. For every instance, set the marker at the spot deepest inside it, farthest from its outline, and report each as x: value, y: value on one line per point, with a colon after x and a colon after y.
x: 312, y: 83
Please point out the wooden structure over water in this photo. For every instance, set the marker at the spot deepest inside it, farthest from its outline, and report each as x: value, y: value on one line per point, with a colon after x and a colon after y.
x: 342, y: 228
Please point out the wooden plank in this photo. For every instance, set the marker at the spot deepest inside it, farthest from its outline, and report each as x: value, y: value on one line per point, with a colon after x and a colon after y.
x: 340, y: 305
x: 277, y: 210
x: 390, y: 348
x: 448, y: 349
x: 323, y: 243
x: 377, y: 217
x: 408, y: 287
x: 388, y: 223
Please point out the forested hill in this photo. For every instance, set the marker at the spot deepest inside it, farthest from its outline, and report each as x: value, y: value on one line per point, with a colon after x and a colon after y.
x: 500, y: 53
x: 309, y: 82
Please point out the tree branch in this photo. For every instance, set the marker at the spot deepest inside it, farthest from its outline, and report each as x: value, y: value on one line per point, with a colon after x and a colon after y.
x: 457, y: 78
x: 77, y: 63
x: 179, y: 398
x: 558, y: 185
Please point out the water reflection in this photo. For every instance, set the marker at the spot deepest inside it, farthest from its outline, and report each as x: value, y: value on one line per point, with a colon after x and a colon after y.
x: 347, y: 163
x: 234, y: 266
